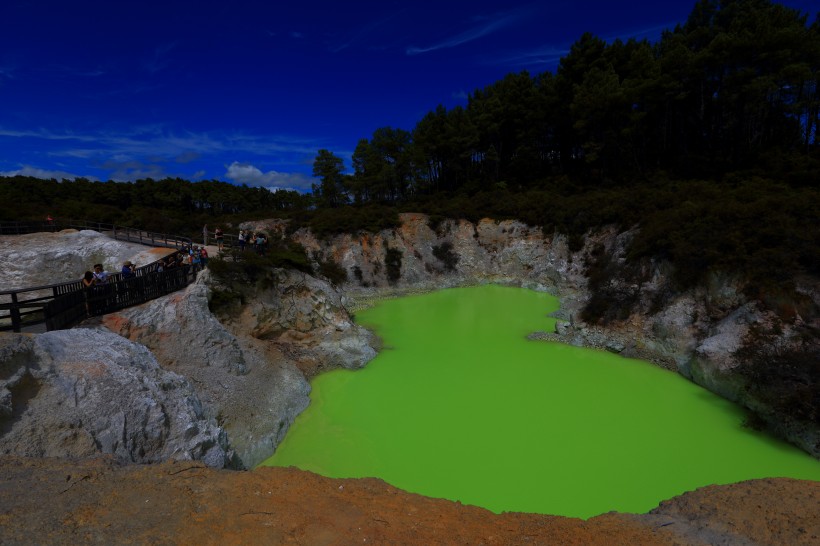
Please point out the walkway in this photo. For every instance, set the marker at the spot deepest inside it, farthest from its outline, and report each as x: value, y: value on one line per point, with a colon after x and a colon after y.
x: 61, y: 306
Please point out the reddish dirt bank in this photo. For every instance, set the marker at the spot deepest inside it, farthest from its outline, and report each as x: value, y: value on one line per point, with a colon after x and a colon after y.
x: 49, y: 501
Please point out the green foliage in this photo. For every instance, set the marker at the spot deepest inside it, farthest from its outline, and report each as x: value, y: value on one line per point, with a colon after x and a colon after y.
x: 248, y: 267
x: 225, y: 299
x: 352, y: 219
x: 333, y: 272
x: 613, y: 287
x: 786, y: 381
x: 329, y: 169
x: 170, y: 205
x: 444, y: 252
x: 392, y: 262
x: 357, y: 273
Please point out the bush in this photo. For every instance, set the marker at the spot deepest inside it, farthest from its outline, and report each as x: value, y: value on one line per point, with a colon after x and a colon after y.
x: 788, y: 381
x: 444, y: 252
x: 250, y: 267
x: 221, y: 299
x: 351, y: 219
x: 392, y: 261
x: 333, y: 272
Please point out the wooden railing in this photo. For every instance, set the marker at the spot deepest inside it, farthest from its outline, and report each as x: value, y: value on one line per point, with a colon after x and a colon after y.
x: 63, y: 305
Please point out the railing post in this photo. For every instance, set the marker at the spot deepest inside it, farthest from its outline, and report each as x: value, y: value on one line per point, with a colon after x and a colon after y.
x: 16, y: 323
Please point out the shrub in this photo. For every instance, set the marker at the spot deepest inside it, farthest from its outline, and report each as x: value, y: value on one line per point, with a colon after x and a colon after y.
x: 392, y: 262
x: 221, y: 299
x: 444, y: 252
x: 787, y: 381
x: 351, y: 219
x: 333, y: 272
x: 357, y: 272
x: 249, y: 267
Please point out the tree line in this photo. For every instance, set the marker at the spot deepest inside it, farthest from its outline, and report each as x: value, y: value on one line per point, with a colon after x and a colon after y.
x: 170, y: 205
x: 736, y: 87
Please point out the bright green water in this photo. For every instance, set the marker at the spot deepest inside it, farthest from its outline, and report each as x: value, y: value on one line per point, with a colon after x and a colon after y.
x: 462, y: 406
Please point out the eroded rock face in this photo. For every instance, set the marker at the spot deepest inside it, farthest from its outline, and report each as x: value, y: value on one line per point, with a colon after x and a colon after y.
x: 251, y: 389
x: 306, y: 315
x: 77, y: 393
x: 507, y: 251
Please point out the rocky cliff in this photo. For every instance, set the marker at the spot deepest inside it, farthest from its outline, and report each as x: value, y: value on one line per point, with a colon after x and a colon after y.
x: 251, y: 368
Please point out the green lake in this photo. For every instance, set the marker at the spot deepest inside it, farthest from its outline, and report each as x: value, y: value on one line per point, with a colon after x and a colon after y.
x: 460, y: 405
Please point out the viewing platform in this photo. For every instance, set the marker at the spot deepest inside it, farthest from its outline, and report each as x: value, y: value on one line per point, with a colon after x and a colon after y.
x: 64, y: 305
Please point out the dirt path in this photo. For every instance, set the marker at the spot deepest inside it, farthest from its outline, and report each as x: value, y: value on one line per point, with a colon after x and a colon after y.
x: 48, y: 501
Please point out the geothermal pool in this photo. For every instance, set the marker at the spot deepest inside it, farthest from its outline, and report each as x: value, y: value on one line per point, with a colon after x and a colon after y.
x: 461, y: 406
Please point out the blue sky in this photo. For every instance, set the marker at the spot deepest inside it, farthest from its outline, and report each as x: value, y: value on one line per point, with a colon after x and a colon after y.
x: 248, y: 91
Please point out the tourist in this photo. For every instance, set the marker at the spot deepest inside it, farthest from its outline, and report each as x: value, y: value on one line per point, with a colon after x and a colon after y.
x: 220, y: 237
x: 128, y: 269
x: 100, y: 275
x: 88, y: 280
x: 88, y: 286
x: 102, y: 289
x: 203, y: 252
x: 241, y: 239
x: 260, y: 243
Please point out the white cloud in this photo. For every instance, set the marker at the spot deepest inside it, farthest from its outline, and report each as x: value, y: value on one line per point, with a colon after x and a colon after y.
x: 44, y: 173
x: 538, y: 56
x: 130, y: 170
x: 154, y: 151
x: 487, y: 26
x: 245, y: 173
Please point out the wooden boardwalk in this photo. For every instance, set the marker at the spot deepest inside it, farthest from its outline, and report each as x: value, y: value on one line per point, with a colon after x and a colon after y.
x: 63, y: 305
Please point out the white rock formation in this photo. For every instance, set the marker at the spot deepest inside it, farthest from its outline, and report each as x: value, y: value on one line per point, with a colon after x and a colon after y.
x: 253, y: 390
x: 48, y: 258
x: 82, y: 392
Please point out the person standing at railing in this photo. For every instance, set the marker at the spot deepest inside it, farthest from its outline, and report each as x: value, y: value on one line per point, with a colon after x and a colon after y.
x: 99, y: 274
x: 89, y: 285
x: 220, y: 238
x: 102, y: 289
x: 127, y: 269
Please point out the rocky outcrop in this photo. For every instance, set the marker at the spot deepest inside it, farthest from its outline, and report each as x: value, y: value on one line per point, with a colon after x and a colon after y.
x: 77, y: 393
x: 307, y: 316
x: 250, y: 390
x: 489, y: 251
x: 250, y: 368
